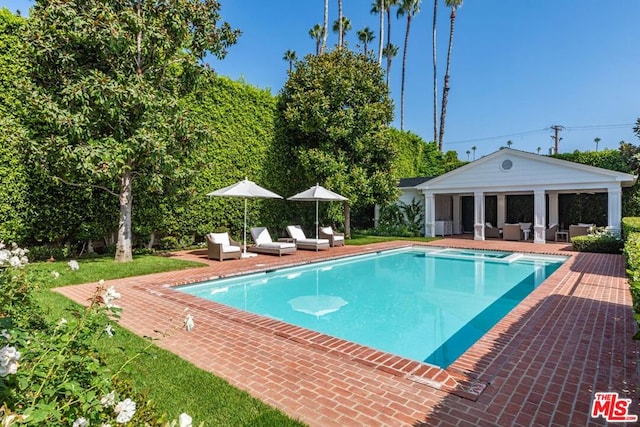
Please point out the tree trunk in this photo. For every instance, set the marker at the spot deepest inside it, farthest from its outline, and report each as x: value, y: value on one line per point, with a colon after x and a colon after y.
x: 445, y: 90
x: 340, y: 23
x: 347, y: 220
x: 381, y: 41
x: 123, y: 246
x: 325, y: 27
x: 404, y: 65
x: 435, y: 77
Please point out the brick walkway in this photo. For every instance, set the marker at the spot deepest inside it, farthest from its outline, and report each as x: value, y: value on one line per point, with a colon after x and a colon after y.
x: 540, y: 365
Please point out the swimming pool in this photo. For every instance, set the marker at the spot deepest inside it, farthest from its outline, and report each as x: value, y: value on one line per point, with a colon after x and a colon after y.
x: 425, y: 304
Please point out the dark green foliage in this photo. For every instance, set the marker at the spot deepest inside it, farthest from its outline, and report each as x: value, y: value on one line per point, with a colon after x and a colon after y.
x: 632, y: 258
x: 598, y: 242
x: 401, y: 219
x: 334, y: 112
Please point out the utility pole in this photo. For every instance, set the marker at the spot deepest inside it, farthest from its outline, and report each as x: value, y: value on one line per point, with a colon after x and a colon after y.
x: 556, y: 129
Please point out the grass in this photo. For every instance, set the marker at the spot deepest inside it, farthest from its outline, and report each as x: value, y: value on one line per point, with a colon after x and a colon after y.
x: 172, y: 384
x: 361, y: 239
x: 94, y: 269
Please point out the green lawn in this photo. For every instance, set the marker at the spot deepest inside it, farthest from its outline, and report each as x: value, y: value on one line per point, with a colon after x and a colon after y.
x: 358, y: 239
x: 172, y: 384
x: 94, y: 269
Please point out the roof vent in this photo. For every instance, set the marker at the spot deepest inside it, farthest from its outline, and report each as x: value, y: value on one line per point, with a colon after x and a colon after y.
x: 506, y: 165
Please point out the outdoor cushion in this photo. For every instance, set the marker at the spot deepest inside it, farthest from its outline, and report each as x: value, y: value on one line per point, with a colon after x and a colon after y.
x: 263, y: 237
x: 220, y: 238
x: 488, y: 225
x: 326, y: 230
x: 280, y: 245
x: 229, y: 249
x: 296, y: 233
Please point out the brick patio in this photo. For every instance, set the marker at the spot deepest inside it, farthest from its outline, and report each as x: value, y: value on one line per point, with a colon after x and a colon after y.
x: 540, y: 365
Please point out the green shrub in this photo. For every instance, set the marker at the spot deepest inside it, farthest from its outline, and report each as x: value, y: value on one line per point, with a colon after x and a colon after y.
x: 630, y: 224
x: 168, y: 243
x: 600, y: 242
x: 45, y: 252
x: 632, y: 259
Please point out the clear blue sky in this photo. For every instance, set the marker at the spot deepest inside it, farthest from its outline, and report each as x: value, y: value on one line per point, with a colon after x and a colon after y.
x: 517, y: 68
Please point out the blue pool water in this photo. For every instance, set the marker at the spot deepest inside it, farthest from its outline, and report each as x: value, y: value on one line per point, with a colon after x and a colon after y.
x: 426, y: 304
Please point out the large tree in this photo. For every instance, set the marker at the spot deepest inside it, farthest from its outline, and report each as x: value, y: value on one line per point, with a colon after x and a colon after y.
x: 316, y: 32
x: 341, y: 27
x: 335, y: 110
x: 365, y: 36
x: 408, y: 8
x: 435, y: 71
x: 454, y: 5
x: 325, y: 27
x: 106, y: 80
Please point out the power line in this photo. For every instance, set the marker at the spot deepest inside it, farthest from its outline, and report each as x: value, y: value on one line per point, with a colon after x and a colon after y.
x: 541, y: 131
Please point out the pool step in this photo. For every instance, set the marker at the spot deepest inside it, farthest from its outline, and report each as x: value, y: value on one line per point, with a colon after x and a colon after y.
x: 510, y: 258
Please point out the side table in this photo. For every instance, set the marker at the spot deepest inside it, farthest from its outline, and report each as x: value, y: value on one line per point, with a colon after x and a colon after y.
x: 564, y: 235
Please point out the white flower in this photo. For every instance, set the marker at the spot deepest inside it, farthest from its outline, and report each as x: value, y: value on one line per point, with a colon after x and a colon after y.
x: 109, y: 330
x: 108, y: 400
x: 62, y: 322
x: 105, y: 425
x: 125, y: 410
x: 9, y: 357
x: 55, y: 274
x: 14, y: 261
x: 101, y: 282
x: 188, y: 323
x: 110, y: 295
x: 73, y: 264
x: 5, y: 334
x: 185, y: 420
x: 81, y: 422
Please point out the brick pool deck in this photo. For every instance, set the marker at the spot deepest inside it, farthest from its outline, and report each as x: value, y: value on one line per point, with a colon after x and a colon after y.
x: 540, y: 365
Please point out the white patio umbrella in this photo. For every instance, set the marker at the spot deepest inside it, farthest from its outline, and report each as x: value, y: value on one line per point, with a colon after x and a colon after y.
x: 245, y: 189
x: 317, y: 193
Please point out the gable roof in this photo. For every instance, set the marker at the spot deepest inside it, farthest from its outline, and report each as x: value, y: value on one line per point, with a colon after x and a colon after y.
x: 413, y: 182
x: 514, y: 170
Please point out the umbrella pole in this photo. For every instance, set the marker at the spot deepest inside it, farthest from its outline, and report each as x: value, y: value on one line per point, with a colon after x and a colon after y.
x: 244, y: 234
x: 316, y: 220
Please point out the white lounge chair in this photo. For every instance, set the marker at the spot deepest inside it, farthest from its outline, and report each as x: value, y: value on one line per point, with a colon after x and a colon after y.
x: 264, y: 244
x: 302, y: 242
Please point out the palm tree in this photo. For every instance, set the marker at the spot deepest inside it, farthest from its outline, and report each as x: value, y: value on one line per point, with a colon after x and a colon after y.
x: 316, y: 33
x: 474, y: 151
x: 453, y: 4
x: 509, y: 143
x: 365, y: 36
x: 291, y: 57
x: 378, y: 8
x: 341, y: 27
x: 468, y: 152
x: 409, y: 8
x: 325, y: 27
x: 597, y: 141
x: 389, y: 52
x: 435, y: 74
x: 538, y: 149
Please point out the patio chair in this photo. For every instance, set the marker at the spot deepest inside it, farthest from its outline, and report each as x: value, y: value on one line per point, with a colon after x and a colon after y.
x: 579, y: 230
x: 492, y: 232
x: 264, y: 244
x: 511, y: 232
x: 550, y: 233
x: 335, y: 238
x: 302, y: 242
x: 220, y: 246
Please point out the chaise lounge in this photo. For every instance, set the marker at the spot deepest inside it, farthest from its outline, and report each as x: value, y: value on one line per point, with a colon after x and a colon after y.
x: 302, y: 242
x: 264, y: 244
x: 335, y: 238
x: 221, y: 247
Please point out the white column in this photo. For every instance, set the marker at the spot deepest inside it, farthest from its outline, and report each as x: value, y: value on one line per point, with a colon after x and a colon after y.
x: 553, y: 208
x: 457, y: 215
x: 429, y: 215
x: 478, y: 215
x: 502, y: 209
x: 614, y: 214
x: 539, y: 217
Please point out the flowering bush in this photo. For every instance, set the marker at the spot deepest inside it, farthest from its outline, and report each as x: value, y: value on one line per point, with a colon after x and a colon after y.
x: 52, y: 373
